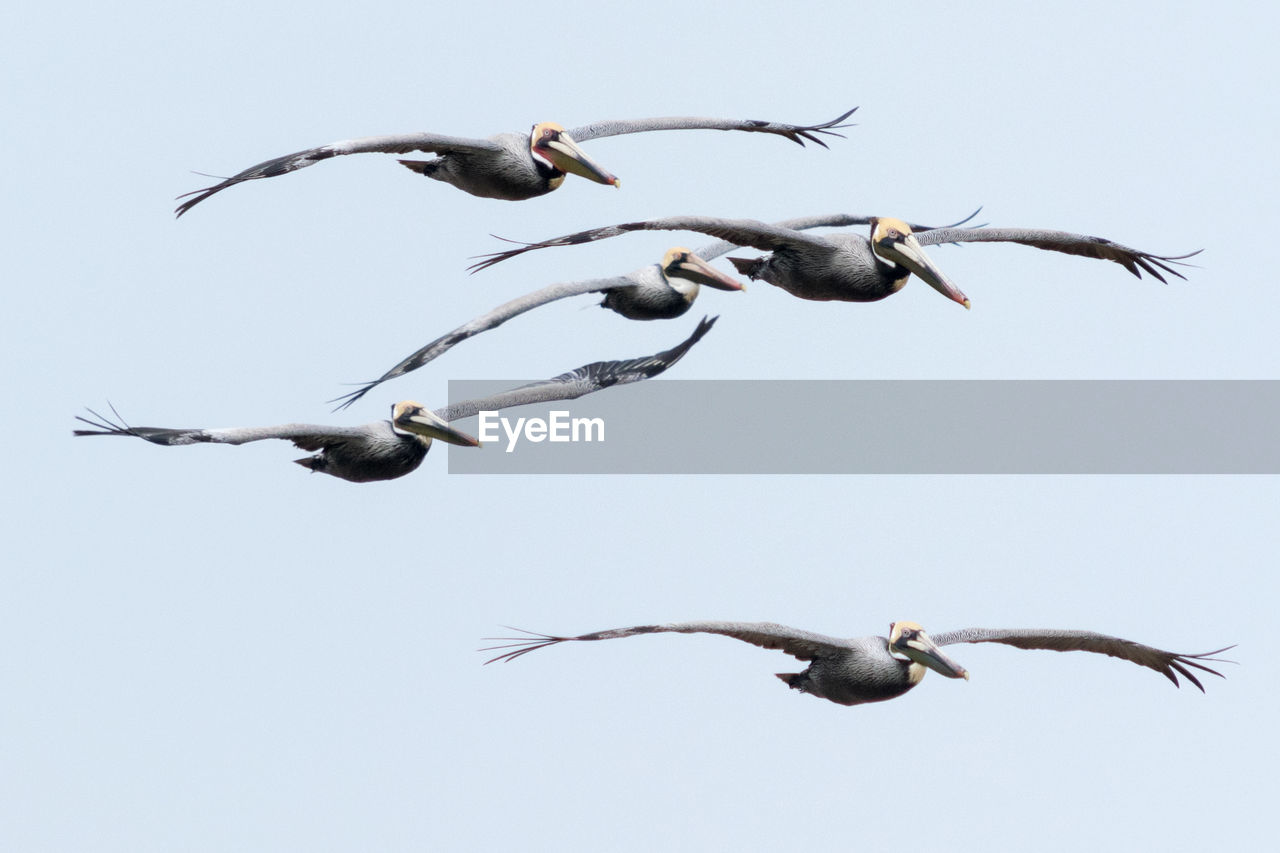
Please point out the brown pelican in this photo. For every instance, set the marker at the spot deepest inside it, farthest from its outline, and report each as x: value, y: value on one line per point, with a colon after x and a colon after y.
x: 852, y: 268
x: 385, y: 450
x: 656, y: 292
x: 873, y: 669
x: 510, y: 166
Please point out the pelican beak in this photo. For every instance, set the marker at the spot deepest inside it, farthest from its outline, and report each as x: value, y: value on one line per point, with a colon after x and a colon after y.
x: 925, y: 652
x: 906, y: 251
x: 425, y: 423
x: 695, y: 269
x: 566, y: 156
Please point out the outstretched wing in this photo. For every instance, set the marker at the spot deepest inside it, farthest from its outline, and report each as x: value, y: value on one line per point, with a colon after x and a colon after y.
x: 1133, y: 260
x: 803, y: 645
x: 483, y: 323
x: 739, y: 232
x: 1165, y: 663
x: 400, y: 143
x: 797, y: 133
x: 831, y: 220
x: 304, y: 436
x: 585, y: 380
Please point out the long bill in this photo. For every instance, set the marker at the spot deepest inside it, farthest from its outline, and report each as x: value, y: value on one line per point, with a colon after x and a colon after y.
x: 568, y: 157
x: 923, y: 650
x: 422, y: 421
x: 908, y: 252
x: 694, y: 268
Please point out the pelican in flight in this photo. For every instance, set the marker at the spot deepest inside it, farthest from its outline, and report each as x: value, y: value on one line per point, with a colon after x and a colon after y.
x: 656, y: 292
x: 510, y: 166
x: 873, y: 669
x: 853, y: 268
x: 385, y: 450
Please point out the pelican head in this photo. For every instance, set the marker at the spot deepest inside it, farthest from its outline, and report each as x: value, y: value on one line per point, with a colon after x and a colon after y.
x: 551, y: 143
x: 892, y: 240
x: 410, y: 418
x: 908, y: 641
x: 681, y: 263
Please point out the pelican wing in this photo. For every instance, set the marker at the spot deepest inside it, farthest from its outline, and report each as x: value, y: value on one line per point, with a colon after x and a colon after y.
x: 399, y: 143
x: 585, y: 380
x: 483, y: 323
x: 800, y: 223
x: 831, y: 220
x: 797, y: 133
x: 803, y: 645
x: 1165, y: 663
x: 304, y: 436
x: 1133, y: 260
x: 739, y: 232
x: 567, y: 386
x: 840, y: 220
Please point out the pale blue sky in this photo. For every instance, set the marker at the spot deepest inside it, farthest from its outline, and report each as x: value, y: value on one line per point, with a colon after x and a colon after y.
x: 210, y: 649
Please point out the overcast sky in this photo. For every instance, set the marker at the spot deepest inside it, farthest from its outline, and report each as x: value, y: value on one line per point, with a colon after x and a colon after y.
x: 210, y: 649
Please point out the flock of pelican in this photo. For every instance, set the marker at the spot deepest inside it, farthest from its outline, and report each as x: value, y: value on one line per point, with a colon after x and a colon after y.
x: 842, y: 266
